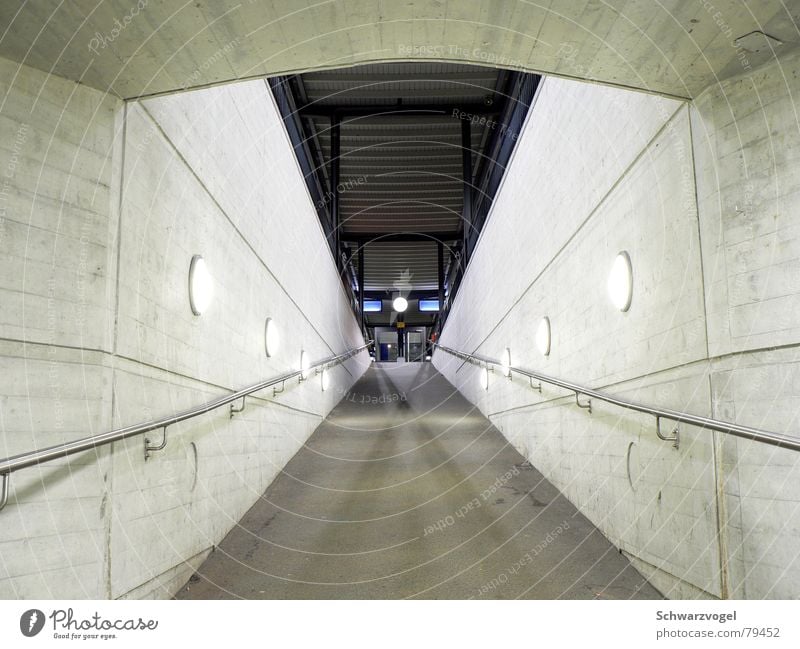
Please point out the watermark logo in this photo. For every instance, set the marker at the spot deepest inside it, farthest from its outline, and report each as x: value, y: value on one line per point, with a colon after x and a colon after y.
x: 31, y: 622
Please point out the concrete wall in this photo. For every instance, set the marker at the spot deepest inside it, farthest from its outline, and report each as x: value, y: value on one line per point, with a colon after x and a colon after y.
x: 703, y: 197
x: 103, y: 206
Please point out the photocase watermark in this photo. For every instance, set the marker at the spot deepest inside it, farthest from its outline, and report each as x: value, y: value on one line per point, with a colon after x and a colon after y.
x: 66, y: 626
x: 341, y: 188
x: 472, y: 505
x: 8, y: 175
x: 489, y: 57
x: 205, y: 66
x: 526, y: 559
x: 104, y: 40
x: 371, y: 399
x: 719, y: 20
x: 487, y: 121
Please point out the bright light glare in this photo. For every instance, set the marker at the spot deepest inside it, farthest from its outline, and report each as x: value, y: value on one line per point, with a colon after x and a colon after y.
x: 272, y: 338
x: 505, y: 362
x: 484, y: 378
x: 620, y: 282
x: 201, y: 285
x: 400, y: 304
x: 543, y: 337
x: 325, y: 379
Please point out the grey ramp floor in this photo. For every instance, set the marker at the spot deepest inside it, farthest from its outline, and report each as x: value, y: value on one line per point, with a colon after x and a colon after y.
x: 407, y: 491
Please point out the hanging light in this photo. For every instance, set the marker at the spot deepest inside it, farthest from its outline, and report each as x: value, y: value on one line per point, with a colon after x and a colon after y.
x: 400, y: 304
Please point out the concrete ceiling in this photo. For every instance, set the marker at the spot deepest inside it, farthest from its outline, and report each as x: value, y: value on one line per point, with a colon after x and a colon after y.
x: 136, y: 48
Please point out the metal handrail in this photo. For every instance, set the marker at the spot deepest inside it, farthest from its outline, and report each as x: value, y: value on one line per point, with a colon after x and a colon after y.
x: 746, y: 432
x: 31, y: 458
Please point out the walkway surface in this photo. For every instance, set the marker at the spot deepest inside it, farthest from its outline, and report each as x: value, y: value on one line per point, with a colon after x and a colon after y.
x: 405, y: 491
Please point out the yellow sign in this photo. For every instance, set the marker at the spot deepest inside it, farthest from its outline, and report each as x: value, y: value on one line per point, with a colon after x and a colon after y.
x: 401, y: 325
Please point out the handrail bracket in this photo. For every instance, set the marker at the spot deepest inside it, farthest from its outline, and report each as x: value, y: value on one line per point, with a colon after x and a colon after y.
x: 161, y: 446
x: 276, y: 391
x: 536, y: 387
x: 5, y: 489
x: 586, y: 406
x: 675, y: 438
x: 238, y: 410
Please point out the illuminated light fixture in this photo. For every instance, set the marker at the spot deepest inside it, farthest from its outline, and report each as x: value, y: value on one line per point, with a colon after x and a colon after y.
x: 325, y: 379
x: 484, y: 377
x: 620, y: 282
x: 543, y: 337
x: 305, y: 365
x: 505, y: 362
x: 272, y: 338
x: 400, y: 304
x: 427, y: 358
x: 201, y: 285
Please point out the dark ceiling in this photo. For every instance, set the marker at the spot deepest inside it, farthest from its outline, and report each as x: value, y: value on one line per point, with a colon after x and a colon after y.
x: 403, y: 129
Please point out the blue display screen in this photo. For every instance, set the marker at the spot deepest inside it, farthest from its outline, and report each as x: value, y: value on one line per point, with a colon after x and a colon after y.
x: 429, y: 305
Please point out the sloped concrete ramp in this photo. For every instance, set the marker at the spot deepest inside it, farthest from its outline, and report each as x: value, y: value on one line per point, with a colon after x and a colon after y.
x: 407, y: 491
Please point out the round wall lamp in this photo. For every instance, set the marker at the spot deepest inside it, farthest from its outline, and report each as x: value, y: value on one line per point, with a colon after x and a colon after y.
x: 272, y: 338
x: 201, y: 285
x: 400, y: 304
x: 484, y: 378
x: 505, y: 362
x: 305, y: 365
x: 543, y: 337
x: 620, y: 282
x: 325, y: 379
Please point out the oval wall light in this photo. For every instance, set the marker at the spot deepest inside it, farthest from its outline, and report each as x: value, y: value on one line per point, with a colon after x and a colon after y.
x: 620, y: 282
x: 201, y: 285
x: 305, y: 365
x: 400, y: 304
x: 325, y: 379
x: 505, y: 362
x: 272, y: 338
x: 543, y: 337
x: 484, y: 378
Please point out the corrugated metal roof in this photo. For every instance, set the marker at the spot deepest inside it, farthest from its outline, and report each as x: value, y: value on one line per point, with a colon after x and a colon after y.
x: 399, y: 173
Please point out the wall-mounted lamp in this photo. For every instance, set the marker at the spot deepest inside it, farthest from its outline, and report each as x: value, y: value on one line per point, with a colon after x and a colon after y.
x: 272, y: 338
x: 400, y: 304
x: 620, y: 282
x: 505, y: 362
x: 201, y: 285
x: 325, y: 379
x: 305, y: 365
x: 484, y: 378
x: 543, y: 337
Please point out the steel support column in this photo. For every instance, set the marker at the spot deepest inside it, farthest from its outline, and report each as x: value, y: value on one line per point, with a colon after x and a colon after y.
x: 335, y: 152
x: 440, y: 255
x: 361, y: 286
x: 466, y: 157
